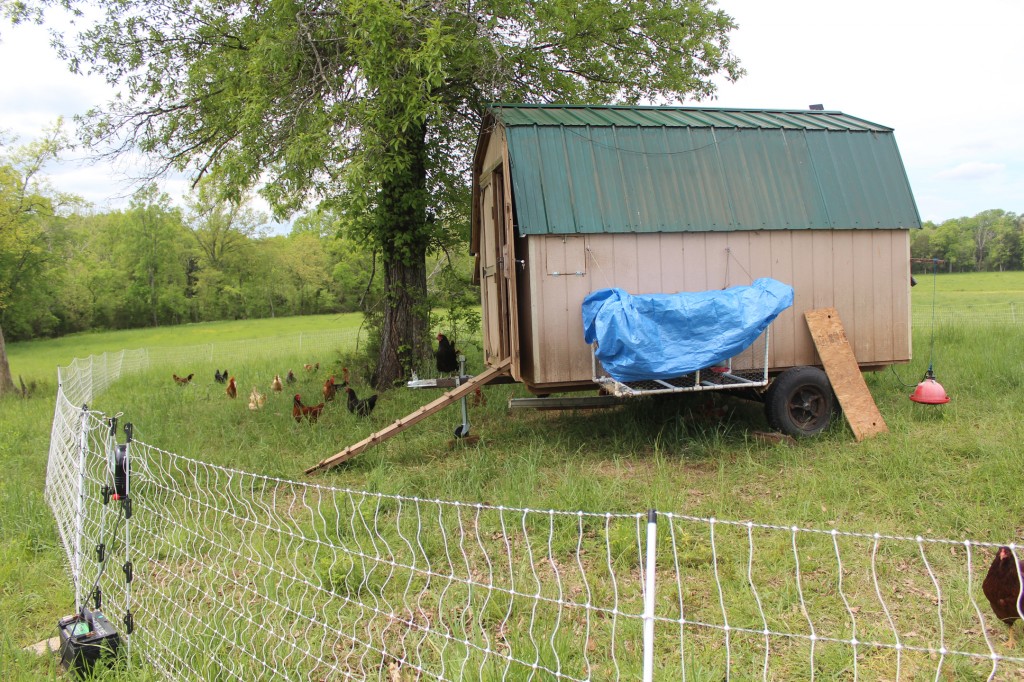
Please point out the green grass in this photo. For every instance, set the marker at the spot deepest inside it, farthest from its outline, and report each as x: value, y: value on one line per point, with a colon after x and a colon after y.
x: 38, y: 360
x: 976, y: 291
x: 946, y: 471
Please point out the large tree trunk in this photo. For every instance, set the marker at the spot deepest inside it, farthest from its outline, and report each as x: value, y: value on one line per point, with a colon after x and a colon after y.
x: 6, y: 383
x: 404, y: 237
x: 404, y: 332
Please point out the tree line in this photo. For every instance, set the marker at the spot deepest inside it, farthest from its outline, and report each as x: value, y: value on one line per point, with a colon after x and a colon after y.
x: 154, y: 264
x: 990, y: 240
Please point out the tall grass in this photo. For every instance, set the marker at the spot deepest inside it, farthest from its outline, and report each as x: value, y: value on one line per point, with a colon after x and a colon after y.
x: 941, y: 471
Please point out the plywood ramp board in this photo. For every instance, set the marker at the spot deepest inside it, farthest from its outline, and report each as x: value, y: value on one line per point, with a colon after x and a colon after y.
x: 844, y: 373
x: 402, y: 424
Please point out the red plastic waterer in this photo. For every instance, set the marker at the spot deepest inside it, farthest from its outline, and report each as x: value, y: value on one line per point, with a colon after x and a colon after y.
x: 929, y: 391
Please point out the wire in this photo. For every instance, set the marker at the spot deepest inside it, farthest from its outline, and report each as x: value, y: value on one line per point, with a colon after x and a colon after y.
x: 900, y: 379
x: 931, y: 348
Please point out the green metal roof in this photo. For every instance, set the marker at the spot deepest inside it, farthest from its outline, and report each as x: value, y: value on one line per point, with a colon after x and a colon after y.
x: 587, y: 169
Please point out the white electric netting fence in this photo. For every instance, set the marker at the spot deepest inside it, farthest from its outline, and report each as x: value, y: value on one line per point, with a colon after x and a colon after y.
x: 225, y: 574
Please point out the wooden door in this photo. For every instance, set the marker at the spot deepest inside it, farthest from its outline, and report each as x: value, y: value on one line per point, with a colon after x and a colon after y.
x: 496, y: 270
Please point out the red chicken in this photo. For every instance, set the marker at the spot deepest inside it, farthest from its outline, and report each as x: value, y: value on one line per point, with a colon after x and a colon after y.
x: 310, y: 412
x: 1002, y: 587
x: 182, y: 381
x: 363, y: 407
x: 231, y: 390
x: 330, y: 389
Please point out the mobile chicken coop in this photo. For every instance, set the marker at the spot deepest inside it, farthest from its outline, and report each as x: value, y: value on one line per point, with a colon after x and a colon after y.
x: 568, y: 200
x: 571, y: 200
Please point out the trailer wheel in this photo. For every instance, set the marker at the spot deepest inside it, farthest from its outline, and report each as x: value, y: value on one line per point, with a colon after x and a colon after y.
x: 800, y: 402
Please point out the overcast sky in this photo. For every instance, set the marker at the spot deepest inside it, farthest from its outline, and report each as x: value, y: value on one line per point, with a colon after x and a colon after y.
x: 944, y: 74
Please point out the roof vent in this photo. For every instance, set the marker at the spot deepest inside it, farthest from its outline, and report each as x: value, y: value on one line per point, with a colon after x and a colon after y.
x: 817, y: 107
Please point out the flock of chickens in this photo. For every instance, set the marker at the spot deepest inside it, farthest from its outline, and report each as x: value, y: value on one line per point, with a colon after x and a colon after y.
x: 446, y: 358
x: 361, y: 407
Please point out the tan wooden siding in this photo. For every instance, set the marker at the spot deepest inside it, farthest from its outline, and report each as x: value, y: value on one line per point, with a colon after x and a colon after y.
x: 863, y: 273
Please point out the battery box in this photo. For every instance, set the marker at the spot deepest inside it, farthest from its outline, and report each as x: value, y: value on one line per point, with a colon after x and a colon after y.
x: 84, y: 638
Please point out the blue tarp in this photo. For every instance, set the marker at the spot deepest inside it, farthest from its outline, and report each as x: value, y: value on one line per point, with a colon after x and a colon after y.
x: 661, y: 336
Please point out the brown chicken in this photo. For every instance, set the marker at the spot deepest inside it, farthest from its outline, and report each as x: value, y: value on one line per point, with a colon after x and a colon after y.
x: 330, y: 389
x: 1002, y: 587
x: 310, y: 412
x: 182, y: 381
x: 311, y: 367
x: 276, y: 386
x: 231, y: 390
x: 363, y: 407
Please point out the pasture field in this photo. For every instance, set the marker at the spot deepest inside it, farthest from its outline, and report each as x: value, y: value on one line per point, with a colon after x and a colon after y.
x: 37, y: 360
x: 943, y: 471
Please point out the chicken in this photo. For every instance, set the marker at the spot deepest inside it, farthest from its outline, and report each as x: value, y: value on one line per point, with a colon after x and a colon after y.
x: 256, y: 399
x: 363, y: 407
x: 182, y: 381
x: 330, y: 389
x: 344, y: 376
x: 311, y: 368
x: 291, y: 377
x: 446, y: 356
x: 276, y: 386
x: 310, y: 412
x: 220, y: 377
x: 1002, y: 587
x: 479, y: 398
x: 231, y: 390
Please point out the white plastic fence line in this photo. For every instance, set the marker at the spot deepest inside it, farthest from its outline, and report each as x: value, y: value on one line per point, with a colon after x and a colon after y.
x: 360, y: 585
x: 993, y: 313
x: 363, y: 584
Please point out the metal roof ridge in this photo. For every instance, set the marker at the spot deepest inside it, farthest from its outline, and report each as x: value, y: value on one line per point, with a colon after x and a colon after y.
x: 669, y: 107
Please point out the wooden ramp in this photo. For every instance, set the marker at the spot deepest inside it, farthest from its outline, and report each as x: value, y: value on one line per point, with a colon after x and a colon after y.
x: 844, y: 373
x: 405, y: 422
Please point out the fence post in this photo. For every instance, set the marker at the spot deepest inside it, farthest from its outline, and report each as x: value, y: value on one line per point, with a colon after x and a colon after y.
x: 129, y: 620
x: 652, y: 544
x: 80, y: 522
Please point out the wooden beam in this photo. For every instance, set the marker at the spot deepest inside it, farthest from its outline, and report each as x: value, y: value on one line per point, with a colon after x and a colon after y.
x: 402, y: 424
x: 589, y: 402
x: 844, y: 373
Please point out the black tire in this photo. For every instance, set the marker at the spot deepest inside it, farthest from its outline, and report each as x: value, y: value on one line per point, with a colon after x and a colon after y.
x: 800, y: 402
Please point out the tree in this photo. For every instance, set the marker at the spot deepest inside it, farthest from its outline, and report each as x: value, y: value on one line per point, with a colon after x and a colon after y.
x: 28, y: 211
x: 220, y: 227
x: 152, y: 259
x: 372, y: 106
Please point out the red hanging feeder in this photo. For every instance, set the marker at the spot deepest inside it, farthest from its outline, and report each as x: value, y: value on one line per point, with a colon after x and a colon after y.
x: 929, y: 391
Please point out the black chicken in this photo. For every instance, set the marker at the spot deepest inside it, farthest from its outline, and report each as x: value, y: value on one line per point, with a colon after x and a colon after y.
x: 1002, y: 587
x: 291, y: 377
x: 220, y: 377
x: 363, y: 407
x: 446, y: 356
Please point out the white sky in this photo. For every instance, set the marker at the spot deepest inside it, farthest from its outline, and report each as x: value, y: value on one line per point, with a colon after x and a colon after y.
x: 945, y: 74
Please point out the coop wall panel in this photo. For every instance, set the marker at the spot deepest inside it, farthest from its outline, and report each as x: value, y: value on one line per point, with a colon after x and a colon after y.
x: 863, y: 274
